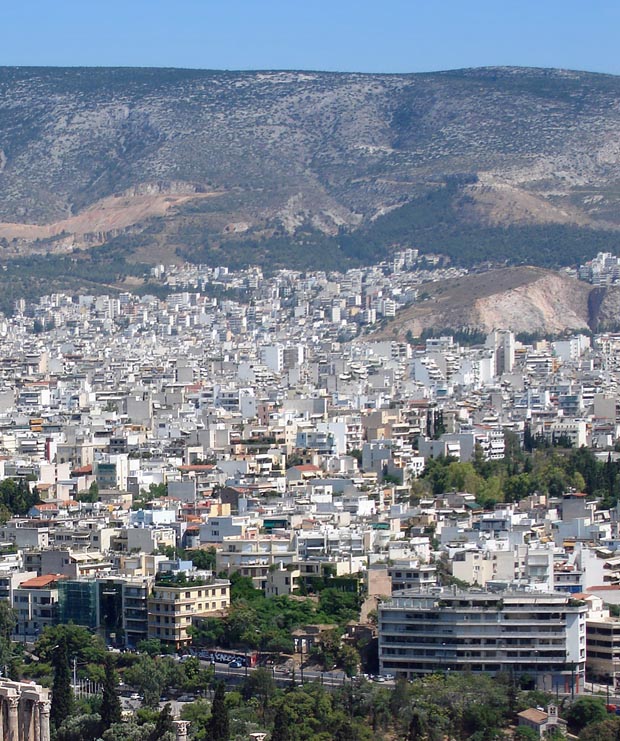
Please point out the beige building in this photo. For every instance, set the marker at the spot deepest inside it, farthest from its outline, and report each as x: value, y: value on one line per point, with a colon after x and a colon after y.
x: 602, y: 641
x: 479, y: 567
x: 282, y: 581
x: 171, y: 607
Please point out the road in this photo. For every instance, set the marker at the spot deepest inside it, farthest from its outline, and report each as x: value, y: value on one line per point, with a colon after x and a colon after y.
x: 233, y: 675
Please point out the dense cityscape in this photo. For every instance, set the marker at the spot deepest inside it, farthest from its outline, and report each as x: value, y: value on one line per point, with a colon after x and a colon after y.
x: 245, y: 484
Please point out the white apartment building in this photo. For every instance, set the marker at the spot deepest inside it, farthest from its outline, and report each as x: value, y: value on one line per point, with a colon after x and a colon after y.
x: 441, y: 629
x: 255, y: 558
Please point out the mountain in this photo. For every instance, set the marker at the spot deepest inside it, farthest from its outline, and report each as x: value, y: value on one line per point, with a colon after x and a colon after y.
x: 308, y: 169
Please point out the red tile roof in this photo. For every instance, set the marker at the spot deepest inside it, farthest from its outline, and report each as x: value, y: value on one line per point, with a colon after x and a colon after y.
x: 39, y: 582
x: 82, y: 470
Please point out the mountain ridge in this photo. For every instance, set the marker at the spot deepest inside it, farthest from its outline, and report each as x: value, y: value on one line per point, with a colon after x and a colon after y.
x: 304, y: 157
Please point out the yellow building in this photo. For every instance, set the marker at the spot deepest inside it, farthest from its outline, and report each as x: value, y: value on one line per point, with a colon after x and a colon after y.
x: 173, y: 605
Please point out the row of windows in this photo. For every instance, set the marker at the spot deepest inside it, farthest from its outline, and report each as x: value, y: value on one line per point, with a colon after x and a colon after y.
x: 602, y: 655
x: 212, y: 592
x: 24, y: 599
x: 500, y: 632
x: 443, y: 655
x: 415, y: 668
x: 166, y: 632
x: 595, y: 630
x: 191, y: 608
x: 473, y: 617
x: 463, y: 641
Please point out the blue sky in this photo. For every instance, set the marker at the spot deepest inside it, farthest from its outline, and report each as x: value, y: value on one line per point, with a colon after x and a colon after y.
x: 365, y: 36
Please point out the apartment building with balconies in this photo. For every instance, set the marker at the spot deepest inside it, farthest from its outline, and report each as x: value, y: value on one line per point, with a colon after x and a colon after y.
x: 519, y: 632
x: 174, y: 602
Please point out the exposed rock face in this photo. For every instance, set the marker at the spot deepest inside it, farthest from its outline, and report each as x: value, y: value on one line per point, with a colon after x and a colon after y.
x: 550, y: 304
x: 521, y: 299
x: 606, y: 307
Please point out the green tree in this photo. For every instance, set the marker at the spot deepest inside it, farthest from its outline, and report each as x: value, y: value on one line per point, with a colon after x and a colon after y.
x: 219, y: 723
x: 380, y: 710
x: 129, y: 731
x: 281, y: 724
x: 327, y: 649
x: 584, y: 711
x: 62, y: 694
x: 203, y: 558
x: 198, y: 714
x: 604, y: 730
x: 349, y: 659
x: 110, y: 702
x: 260, y: 684
x: 436, y: 472
x: 150, y: 676
x: 80, y: 642
x: 91, y: 495
x: 164, y: 727
x: 518, y: 486
x: 17, y: 496
x: 150, y: 646
x: 79, y: 728
x: 417, y: 727
x: 8, y: 620
x: 339, y: 607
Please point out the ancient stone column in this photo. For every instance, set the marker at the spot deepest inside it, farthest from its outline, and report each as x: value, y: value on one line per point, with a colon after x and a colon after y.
x: 44, y: 717
x: 181, y: 727
x: 13, y: 724
x: 36, y: 721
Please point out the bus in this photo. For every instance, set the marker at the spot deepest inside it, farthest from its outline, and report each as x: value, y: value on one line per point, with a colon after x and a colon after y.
x: 226, y: 656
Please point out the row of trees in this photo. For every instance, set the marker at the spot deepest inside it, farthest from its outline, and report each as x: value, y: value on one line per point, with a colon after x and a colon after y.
x: 455, y: 706
x: 100, y: 718
x: 16, y: 497
x: 550, y: 470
